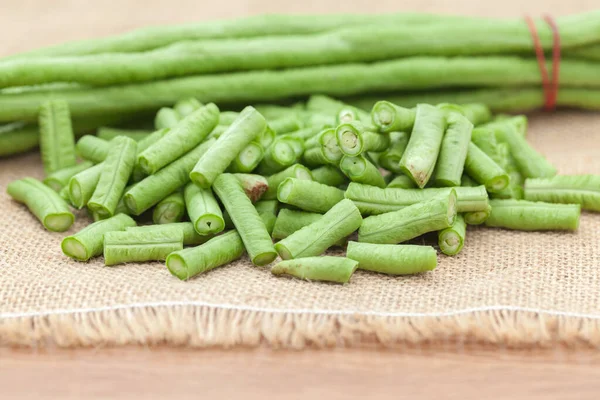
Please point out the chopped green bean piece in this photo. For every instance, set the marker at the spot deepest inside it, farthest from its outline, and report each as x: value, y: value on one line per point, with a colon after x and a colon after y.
x: 478, y: 217
x: 401, y: 182
x: 393, y: 259
x: 277, y: 157
x: 329, y: 175
x: 116, y: 170
x: 254, y: 185
x: 420, y: 156
x: 271, y: 206
x: 327, y: 268
x: 92, y: 148
x: 568, y: 189
x: 389, y: 117
x: 180, y: 139
x: 154, y: 188
x: 484, y: 170
x: 89, y: 241
x: 221, y: 250
x: 295, y: 171
x: 361, y: 170
x: 107, y: 133
x: 533, y: 216
x: 139, y: 246
x: 248, y: 159
x: 390, y: 158
x: 312, y: 240
x: 285, y: 124
x: 83, y: 184
x: 187, y: 106
x: 309, y: 195
x: 453, y: 152
x: 217, y: 158
x: 43, y: 202
x: 314, y: 157
x: 290, y: 221
x: 372, y: 200
x: 203, y: 210
x: 57, y: 141
x: 245, y: 218
x: 169, y: 210
x: 451, y: 240
x: 269, y: 219
x: 166, y: 118
x: 227, y: 117
x: 399, y: 226
x: 331, y: 150
x: 59, y: 179
x: 190, y: 236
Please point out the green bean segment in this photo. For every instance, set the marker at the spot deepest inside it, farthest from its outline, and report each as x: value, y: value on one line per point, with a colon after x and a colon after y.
x: 166, y: 118
x: 169, y: 210
x: 393, y: 259
x: 312, y: 240
x: 420, y: 156
x: 59, y: 179
x: 217, y: 158
x: 254, y: 185
x: 203, y: 210
x: 297, y: 171
x: 533, y: 215
x: 92, y: 148
x: 221, y: 250
x: 451, y: 240
x: 309, y: 195
x: 389, y: 117
x: 390, y: 158
x: 373, y: 200
x: 290, y: 221
x: 108, y: 133
x: 568, y: 189
x: 326, y: 268
x: 89, y: 241
x: 139, y: 246
x: 190, y: 236
x: 484, y: 170
x: 453, y: 152
x: 399, y: 226
x: 246, y: 220
x: 329, y: 175
x: 361, y: 170
x: 401, y: 182
x: 43, y: 202
x: 478, y: 217
x: 57, y: 142
x: 83, y: 185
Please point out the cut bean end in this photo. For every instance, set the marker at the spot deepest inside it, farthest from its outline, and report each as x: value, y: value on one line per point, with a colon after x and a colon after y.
x: 75, y: 194
x: 177, y: 267
x: 283, y: 251
x: 73, y: 248
x: 209, y: 224
x: 199, y: 179
x: 450, y: 243
x: 264, y: 258
x: 59, y: 222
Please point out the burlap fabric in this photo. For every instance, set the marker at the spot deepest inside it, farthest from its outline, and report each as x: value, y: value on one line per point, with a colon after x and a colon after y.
x: 510, y: 288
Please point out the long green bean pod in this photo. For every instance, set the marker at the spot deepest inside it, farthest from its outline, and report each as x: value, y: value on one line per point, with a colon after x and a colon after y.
x: 390, y: 158
x: 245, y: 218
x: 169, y: 210
x: 217, y: 158
x: 484, y: 170
x: 43, y: 202
x: 180, y: 139
x: 116, y: 170
x: 139, y: 246
x: 309, y: 195
x: 248, y: 159
x: 312, y: 240
x: 388, y: 117
x: 329, y: 175
x: 59, y: 179
x: 289, y: 221
x: 190, y: 236
x: 154, y: 188
x: 361, y: 170
x: 451, y: 240
x: 477, y: 217
x: 533, y: 215
x: 529, y: 161
x: 401, y: 182
x: 372, y: 200
x: 187, y: 106
x: 420, y: 156
x: 92, y: 148
x: 568, y: 189
x: 393, y: 259
x: 326, y: 268
x: 83, y: 184
x: 89, y: 241
x: 254, y: 185
x: 453, y: 152
x: 166, y: 118
x: 57, y: 142
x: 203, y: 210
x: 340, y: 80
x: 221, y: 250
x: 108, y: 133
x: 399, y: 226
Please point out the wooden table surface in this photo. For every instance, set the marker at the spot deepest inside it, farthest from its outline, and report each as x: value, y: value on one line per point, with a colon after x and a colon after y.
x: 143, y: 373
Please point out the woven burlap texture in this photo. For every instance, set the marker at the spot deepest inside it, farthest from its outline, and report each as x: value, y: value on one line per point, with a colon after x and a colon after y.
x: 514, y: 288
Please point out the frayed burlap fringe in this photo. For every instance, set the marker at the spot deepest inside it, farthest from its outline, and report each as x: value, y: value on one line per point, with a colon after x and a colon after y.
x: 208, y: 326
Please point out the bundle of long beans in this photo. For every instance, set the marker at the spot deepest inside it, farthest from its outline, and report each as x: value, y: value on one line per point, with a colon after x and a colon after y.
x: 406, y: 58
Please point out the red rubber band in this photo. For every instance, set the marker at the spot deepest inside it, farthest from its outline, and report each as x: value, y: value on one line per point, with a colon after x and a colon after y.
x: 550, y: 86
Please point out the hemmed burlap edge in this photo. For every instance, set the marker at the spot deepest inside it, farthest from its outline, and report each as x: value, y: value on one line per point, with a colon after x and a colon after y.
x: 209, y: 326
